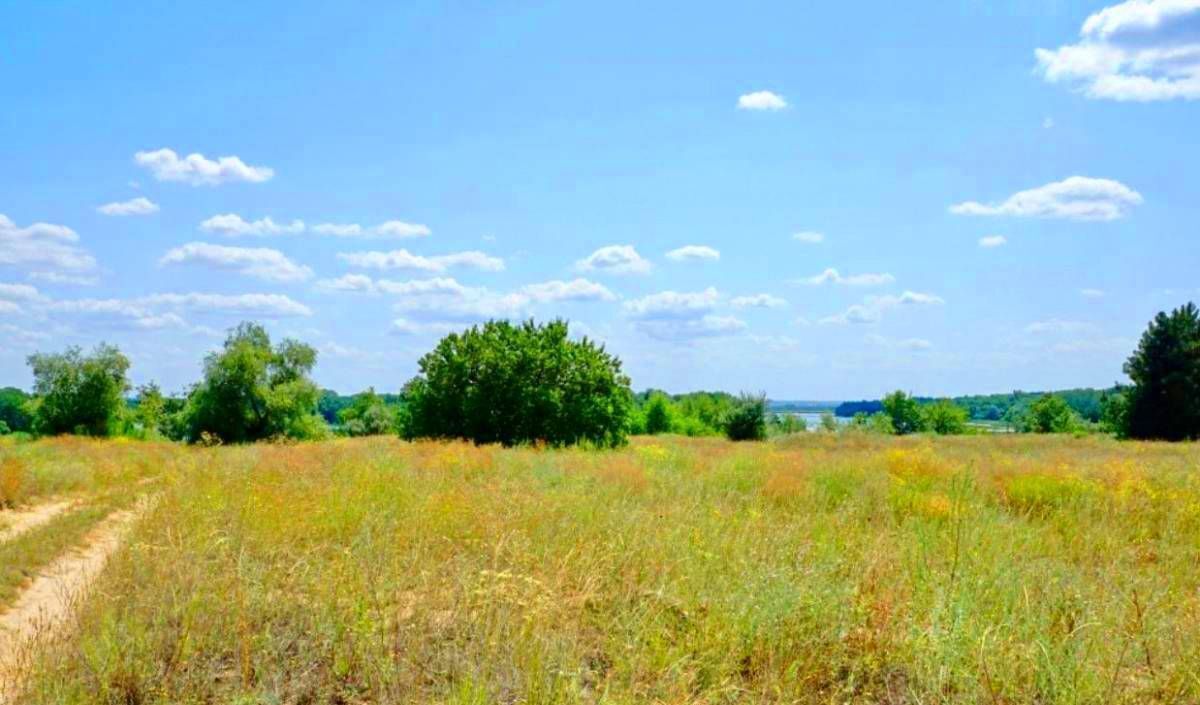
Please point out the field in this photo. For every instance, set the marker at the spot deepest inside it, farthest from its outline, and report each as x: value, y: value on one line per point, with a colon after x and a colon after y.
x: 817, y: 568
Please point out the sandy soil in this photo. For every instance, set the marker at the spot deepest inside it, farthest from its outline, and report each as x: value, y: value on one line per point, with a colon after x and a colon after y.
x: 19, y: 521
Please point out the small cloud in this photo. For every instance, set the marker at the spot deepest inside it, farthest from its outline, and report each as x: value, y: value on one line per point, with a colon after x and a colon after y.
x: 232, y: 225
x: 991, y: 241
x: 757, y: 301
x: 198, y: 170
x: 403, y: 259
x: 684, y: 330
x: 761, y: 100
x: 42, y: 245
x: 1091, y: 293
x: 614, y: 259
x: 1073, y: 198
x: 259, y: 262
x: 1048, y: 123
x: 574, y: 290
x: 872, y: 308
x: 392, y: 229
x: 832, y: 276
x: 693, y: 253
x: 673, y: 304
x: 809, y: 237
x: 900, y: 344
x: 1056, y: 326
x: 134, y: 206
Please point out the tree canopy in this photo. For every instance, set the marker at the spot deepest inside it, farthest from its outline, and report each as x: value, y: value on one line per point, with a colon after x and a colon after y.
x: 1164, y: 399
x: 77, y: 393
x: 523, y: 383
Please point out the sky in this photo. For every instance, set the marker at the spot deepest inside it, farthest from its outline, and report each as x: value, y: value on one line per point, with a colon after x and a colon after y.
x: 811, y: 200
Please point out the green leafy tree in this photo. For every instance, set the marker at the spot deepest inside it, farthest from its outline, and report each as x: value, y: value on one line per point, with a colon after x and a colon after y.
x: 253, y: 391
x: 12, y: 410
x: 1051, y: 414
x: 905, y: 413
x: 747, y: 420
x: 828, y: 422
x: 1164, y: 399
x: 4, y: 429
x: 787, y: 424
x: 944, y: 417
x: 368, y: 415
x: 1114, y: 415
x: 151, y: 410
x: 77, y: 393
x: 658, y: 414
x: 519, y: 383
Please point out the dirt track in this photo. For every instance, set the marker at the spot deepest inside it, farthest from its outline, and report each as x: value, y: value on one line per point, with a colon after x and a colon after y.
x: 23, y: 520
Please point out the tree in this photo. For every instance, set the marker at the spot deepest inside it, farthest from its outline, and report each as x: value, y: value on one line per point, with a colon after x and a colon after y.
x: 12, y: 410
x: 1164, y: 400
x: 151, y: 410
x: 787, y: 424
x: 658, y: 414
x: 518, y: 383
x: 1051, y: 414
x: 747, y: 420
x: 79, y: 394
x: 828, y: 422
x: 253, y: 391
x: 905, y: 413
x: 944, y: 417
x: 368, y: 415
x: 4, y: 429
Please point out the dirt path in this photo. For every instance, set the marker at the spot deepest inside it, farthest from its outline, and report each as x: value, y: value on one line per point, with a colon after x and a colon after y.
x: 22, y: 520
x: 49, y: 601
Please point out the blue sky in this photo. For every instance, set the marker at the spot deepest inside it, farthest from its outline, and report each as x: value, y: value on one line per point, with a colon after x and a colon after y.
x: 816, y: 201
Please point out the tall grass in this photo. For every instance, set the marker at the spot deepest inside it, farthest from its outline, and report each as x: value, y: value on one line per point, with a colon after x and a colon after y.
x: 814, y: 569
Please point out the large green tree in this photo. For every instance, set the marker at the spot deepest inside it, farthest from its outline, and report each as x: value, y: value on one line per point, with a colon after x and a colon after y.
x: 905, y: 412
x: 12, y: 410
x: 77, y: 393
x: 1050, y: 414
x: 1164, y: 399
x: 253, y: 391
x: 523, y: 383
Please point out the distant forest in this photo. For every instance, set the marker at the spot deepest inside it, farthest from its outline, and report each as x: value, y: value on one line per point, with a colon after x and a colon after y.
x: 1087, y: 402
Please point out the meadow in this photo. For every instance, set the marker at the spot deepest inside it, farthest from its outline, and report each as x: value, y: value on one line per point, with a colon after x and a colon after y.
x: 813, y: 568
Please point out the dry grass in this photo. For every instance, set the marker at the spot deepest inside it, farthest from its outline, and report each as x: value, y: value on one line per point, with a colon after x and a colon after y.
x: 816, y: 569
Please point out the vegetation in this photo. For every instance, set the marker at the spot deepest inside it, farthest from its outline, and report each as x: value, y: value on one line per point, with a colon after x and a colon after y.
x: 1050, y: 414
x: 77, y: 393
x: 13, y: 412
x: 816, y: 568
x: 368, y: 415
x: 1088, y: 403
x: 747, y: 421
x: 511, y: 384
x: 944, y: 418
x: 1164, y: 399
x: 252, y: 391
x: 904, y: 412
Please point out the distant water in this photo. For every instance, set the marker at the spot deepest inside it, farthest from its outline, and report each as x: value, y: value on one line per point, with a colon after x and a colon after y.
x: 813, y: 419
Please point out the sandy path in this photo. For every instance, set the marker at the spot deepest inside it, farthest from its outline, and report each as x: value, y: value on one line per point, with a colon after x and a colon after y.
x: 22, y: 520
x: 49, y: 601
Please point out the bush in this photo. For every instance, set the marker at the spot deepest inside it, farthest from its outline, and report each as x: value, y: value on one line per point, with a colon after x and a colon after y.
x: 786, y: 424
x: 944, y: 417
x: 905, y: 413
x: 658, y: 415
x: 79, y: 394
x: 368, y: 415
x: 12, y: 410
x: 1051, y: 414
x: 525, y: 383
x: 828, y: 422
x: 747, y: 420
x: 1164, y: 399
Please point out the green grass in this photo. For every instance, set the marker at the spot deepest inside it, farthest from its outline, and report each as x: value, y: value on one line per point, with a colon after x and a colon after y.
x: 815, y: 569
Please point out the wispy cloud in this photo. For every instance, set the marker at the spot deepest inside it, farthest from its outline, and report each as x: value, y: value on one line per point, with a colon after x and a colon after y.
x: 693, y: 253
x: 809, y: 237
x: 392, y: 229
x: 198, y: 170
x: 233, y: 225
x: 1073, y: 198
x: 261, y: 262
x: 134, y: 206
x: 405, y: 260
x: 757, y: 301
x: 872, y: 308
x: 832, y: 276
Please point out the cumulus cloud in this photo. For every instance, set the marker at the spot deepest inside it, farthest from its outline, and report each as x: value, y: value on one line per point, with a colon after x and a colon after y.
x: 272, y: 305
x: 681, y: 316
x: 392, y: 229
x: 900, y: 344
x: 673, y: 304
x: 761, y: 100
x: 872, y: 308
x: 198, y: 170
x: 60, y: 278
x: 233, y: 225
x: 832, y: 276
x: 134, y: 206
x: 614, y: 259
x: 42, y: 245
x: 403, y: 259
x: 574, y: 290
x: 758, y: 301
x: 1138, y: 50
x: 19, y: 292
x: 991, y: 241
x: 809, y: 237
x: 708, y: 326
x: 689, y: 253
x: 261, y: 262
x: 1073, y: 198
x: 1091, y: 293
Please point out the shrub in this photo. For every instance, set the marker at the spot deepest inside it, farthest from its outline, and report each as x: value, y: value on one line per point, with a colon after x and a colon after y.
x: 658, y: 415
x: 905, y: 413
x: 944, y: 417
x: 79, y: 394
x: 12, y: 479
x: 1164, y: 399
x: 1050, y: 414
x: 747, y: 420
x: 786, y: 424
x: 368, y: 415
x: 828, y: 423
x: 525, y: 383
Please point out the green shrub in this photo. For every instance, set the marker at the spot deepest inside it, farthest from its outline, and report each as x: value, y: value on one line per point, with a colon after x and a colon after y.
x: 945, y: 418
x: 658, y: 415
x: 79, y: 394
x: 905, y: 413
x: 1051, y: 414
x: 747, y: 420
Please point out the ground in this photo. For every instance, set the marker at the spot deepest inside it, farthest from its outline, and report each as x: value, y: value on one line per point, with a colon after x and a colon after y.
x: 814, y: 568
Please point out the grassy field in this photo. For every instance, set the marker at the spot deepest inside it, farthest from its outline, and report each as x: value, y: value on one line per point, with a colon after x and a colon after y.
x: 819, y: 568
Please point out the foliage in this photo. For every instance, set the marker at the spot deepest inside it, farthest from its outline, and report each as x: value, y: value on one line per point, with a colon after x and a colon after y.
x: 944, y: 417
x: 525, y: 383
x: 1114, y: 416
x: 905, y: 413
x: 747, y: 420
x: 252, y: 391
x: 1164, y: 399
x: 878, y: 422
x: 4, y: 429
x: 77, y: 393
x: 12, y: 410
x: 368, y: 415
x: 658, y: 415
x: 1051, y: 414
x: 828, y: 422
x: 787, y: 423
x: 996, y: 407
x: 150, y: 413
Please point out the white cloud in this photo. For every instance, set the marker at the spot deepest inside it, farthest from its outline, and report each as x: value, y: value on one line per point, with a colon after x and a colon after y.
x: 438, y: 286
x: 1074, y: 198
x: 674, y: 330
x: 392, y: 229
x: 248, y: 304
x: 758, y: 301
x: 674, y: 304
x: 42, y: 245
x: 198, y: 170
x: 833, y: 276
x: 260, y: 262
x: 1138, y: 50
x: 1056, y: 326
x: 403, y: 259
x: 1091, y: 293
x: 349, y: 282
x: 614, y: 259
x: 134, y: 206
x: 19, y: 292
x: 692, y: 253
x: 872, y: 308
x: 902, y: 344
x: 761, y: 100
x: 991, y: 241
x: 59, y: 278
x: 809, y: 237
x: 20, y: 336
x: 7, y: 307
x: 403, y: 326
x: 232, y: 225
x: 1048, y: 123
x: 574, y: 290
